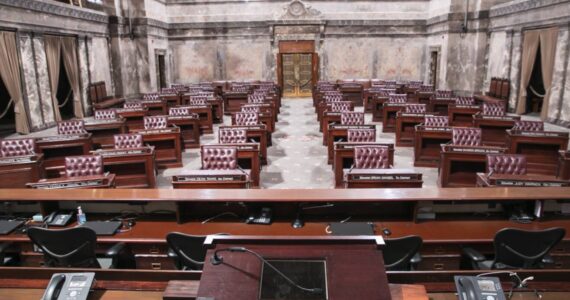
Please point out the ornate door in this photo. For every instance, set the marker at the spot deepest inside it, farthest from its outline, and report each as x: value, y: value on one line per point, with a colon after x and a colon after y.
x: 297, y: 74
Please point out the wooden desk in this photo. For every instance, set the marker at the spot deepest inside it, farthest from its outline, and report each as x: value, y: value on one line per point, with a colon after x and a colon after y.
x: 344, y: 158
x: 171, y: 99
x: 257, y: 134
x: 484, y: 180
x: 564, y: 165
x: 167, y: 144
x: 541, y: 149
x: 440, y: 106
x: 376, y: 105
x: 105, y: 181
x: 248, y: 159
x: 337, y: 133
x: 16, y: 171
x: 406, y: 126
x: 233, y: 101
x: 155, y: 107
x: 205, y: 114
x: 134, y: 117
x: 427, y: 145
x: 459, y: 165
x: 133, y: 168
x: 383, y: 178
x: 389, y: 114
x: 189, y: 130
x: 462, y: 115
x: 480, y: 99
x: 494, y: 128
x: 210, y: 179
x: 329, y: 118
x: 102, y: 131
x: 423, y: 97
x: 217, y: 110
x: 56, y: 148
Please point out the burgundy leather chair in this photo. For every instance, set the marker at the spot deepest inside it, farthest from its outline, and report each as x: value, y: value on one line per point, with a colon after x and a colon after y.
x: 511, y: 164
x: 126, y: 141
x: 493, y: 109
x: 415, y: 108
x: 371, y: 157
x: 198, y: 101
x: 219, y: 158
x: 529, y: 125
x: 246, y: 119
x: 151, y: 96
x: 17, y: 147
x: 352, y: 118
x: 169, y: 90
x: 83, y: 165
x: 251, y: 109
x: 342, y: 106
x: 155, y: 122
x: 465, y: 101
x: 256, y: 98
x: 398, y: 98
x: 436, y: 121
x: 426, y: 88
x: 232, y: 136
x: 466, y: 136
x: 105, y: 114
x: 132, y: 105
x: 365, y: 135
x: 71, y: 127
x: 332, y: 98
x: 443, y: 94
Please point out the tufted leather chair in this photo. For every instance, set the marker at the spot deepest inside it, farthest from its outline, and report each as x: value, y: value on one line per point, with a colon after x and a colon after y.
x: 398, y: 98
x: 332, y: 98
x: 342, y: 106
x: 466, y: 136
x: 529, y: 125
x: 443, y: 94
x: 371, y: 157
x: 426, y: 88
x: 17, y: 147
x: 511, y: 164
x: 352, y: 118
x: 465, y: 101
x: 151, y: 96
x: 155, y: 122
x: 219, y: 158
x: 436, y: 121
x: 132, y: 105
x: 126, y: 141
x: 256, y: 98
x: 365, y: 135
x: 246, y: 118
x: 105, y: 114
x: 493, y: 109
x: 168, y: 91
x: 198, y: 100
x: 232, y: 136
x: 83, y: 165
x: 71, y: 127
x: 415, y: 108
x: 240, y: 88
x: 251, y: 109
x: 178, y: 111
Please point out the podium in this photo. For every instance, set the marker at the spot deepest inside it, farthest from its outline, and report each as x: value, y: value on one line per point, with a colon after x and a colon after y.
x: 353, y: 266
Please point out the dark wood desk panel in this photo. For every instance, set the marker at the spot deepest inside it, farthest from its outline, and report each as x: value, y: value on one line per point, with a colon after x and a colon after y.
x: 377, y: 104
x: 481, y: 99
x: 427, y: 145
x: 156, y: 107
x: 105, y: 181
x: 133, y: 168
x: 352, y: 93
x: 56, y: 148
x: 171, y: 99
x: 329, y: 118
x: 506, y: 180
x: 102, y: 131
x: 383, y: 178
x: 459, y: 165
x: 494, y: 129
x: 257, y: 134
x: 15, y: 172
x: 344, y: 157
x: 205, y: 114
x: 440, y: 106
x: 541, y: 149
x: 564, y: 165
x: 134, y: 117
x: 233, y: 101
x: 405, y: 128
x: 167, y: 144
x: 217, y: 110
x: 423, y: 97
x: 189, y: 130
x: 462, y: 115
x: 389, y: 113
x: 339, y: 133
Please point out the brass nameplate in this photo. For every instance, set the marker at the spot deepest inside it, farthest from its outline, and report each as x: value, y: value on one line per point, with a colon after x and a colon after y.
x: 468, y: 106
x: 383, y: 177
x: 109, y: 153
x: 16, y: 160
x: 411, y: 115
x: 338, y: 126
x: 501, y: 118
x: 60, y: 138
x: 473, y: 150
x: 157, y: 131
x: 68, y: 185
x: 200, y: 178
x: 443, y: 129
x: 509, y: 182
x: 542, y: 133
x: 182, y: 117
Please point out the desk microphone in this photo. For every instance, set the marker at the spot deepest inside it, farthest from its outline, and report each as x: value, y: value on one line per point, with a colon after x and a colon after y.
x: 216, y: 260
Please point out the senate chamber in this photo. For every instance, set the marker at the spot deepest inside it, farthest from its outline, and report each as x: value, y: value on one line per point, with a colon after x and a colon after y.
x: 284, y: 149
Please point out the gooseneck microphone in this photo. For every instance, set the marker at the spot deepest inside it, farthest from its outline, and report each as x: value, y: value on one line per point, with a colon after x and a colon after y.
x: 216, y: 260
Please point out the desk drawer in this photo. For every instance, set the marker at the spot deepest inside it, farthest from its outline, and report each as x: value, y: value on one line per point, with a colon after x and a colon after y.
x: 440, y: 249
x: 154, y: 262
x: 561, y: 261
x: 440, y: 262
x: 154, y: 249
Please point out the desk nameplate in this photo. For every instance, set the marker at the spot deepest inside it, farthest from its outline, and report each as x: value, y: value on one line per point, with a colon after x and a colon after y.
x: 187, y: 117
x: 123, y: 152
x: 467, y: 106
x: 69, y: 185
x: 438, y: 129
x: 18, y: 160
x: 528, y: 183
x: 208, y: 178
x: 339, y: 126
x: 158, y: 131
x: 404, y: 114
x: 191, y: 107
x: 539, y: 133
x: 480, y: 150
x: 391, y: 177
x: 68, y: 137
x: 250, y: 127
x: 348, y: 146
x: 500, y: 118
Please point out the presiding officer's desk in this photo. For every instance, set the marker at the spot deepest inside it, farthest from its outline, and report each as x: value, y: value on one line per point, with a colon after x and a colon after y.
x: 56, y: 148
x: 508, y: 180
x: 103, y: 181
x: 343, y: 158
x: 493, y: 128
x: 257, y: 134
x: 102, y: 131
x: 16, y: 171
x: 462, y: 115
x: 383, y: 178
x: 210, y: 179
x: 540, y: 148
x: 564, y: 165
x: 133, y: 167
x: 339, y: 133
x: 167, y: 144
x: 427, y: 144
x: 459, y: 164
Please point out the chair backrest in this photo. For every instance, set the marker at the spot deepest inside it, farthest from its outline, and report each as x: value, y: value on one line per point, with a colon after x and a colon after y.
x: 256, y: 98
x: 512, y: 164
x: 493, y: 109
x: 371, y: 157
x: 365, y: 135
x: 254, y: 109
x: 17, y: 147
x: 219, y: 158
x: 399, y: 251
x: 71, y: 127
x: 332, y: 98
x: 352, y: 118
x: 189, y: 249
x: 398, y: 98
x: 179, y: 111
x: 168, y: 91
x: 126, y: 141
x: 466, y: 136
x: 151, y: 96
x: 105, y: 114
x: 436, y: 121
x: 66, y: 248
x: 132, y: 105
x: 517, y: 248
x: 415, y: 108
x: 341, y: 106
x: 465, y: 101
x: 246, y: 118
x: 155, y: 122
x: 232, y: 136
x: 444, y: 94
x: 529, y: 125
x: 426, y: 88
x: 83, y: 165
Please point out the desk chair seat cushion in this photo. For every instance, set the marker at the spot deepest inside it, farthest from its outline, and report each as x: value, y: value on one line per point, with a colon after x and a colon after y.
x: 155, y: 122
x: 17, y: 147
x: 352, y: 118
x: 219, y: 158
x: 512, y: 164
x: 367, y: 135
x: 127, y: 141
x: 246, y: 118
x: 415, y: 108
x: 402, y: 253
x: 232, y: 136
x: 371, y: 157
x: 436, y: 121
x: 105, y: 114
x: 493, y: 109
x: 71, y: 127
x: 83, y: 165
x: 529, y: 125
x: 466, y: 136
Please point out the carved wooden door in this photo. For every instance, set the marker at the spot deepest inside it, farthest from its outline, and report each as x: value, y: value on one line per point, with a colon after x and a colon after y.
x: 297, y: 74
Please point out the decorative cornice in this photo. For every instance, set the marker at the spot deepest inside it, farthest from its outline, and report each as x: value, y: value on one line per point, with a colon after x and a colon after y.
x: 522, y: 5
x: 60, y: 9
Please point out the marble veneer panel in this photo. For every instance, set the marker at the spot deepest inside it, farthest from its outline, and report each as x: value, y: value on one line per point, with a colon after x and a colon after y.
x: 558, y: 74
x: 43, y: 80
x: 99, y: 65
x: 29, y: 70
x: 498, y: 56
x: 515, y: 69
x: 84, y: 73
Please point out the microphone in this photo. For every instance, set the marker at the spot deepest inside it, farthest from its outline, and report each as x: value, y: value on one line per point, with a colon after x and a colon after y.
x: 216, y: 260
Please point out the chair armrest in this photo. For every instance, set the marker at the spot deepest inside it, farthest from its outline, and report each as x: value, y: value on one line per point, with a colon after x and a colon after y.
x: 473, y: 254
x: 416, y: 259
x: 548, y: 260
x: 115, y: 250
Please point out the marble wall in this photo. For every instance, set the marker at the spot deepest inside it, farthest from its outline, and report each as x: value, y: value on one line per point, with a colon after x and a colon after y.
x: 42, y: 77
x: 99, y: 63
x: 31, y: 85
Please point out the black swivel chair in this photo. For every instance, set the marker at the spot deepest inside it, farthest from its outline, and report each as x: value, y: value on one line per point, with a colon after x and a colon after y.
x: 516, y: 248
x: 73, y: 248
x: 401, y: 254
x: 187, y: 250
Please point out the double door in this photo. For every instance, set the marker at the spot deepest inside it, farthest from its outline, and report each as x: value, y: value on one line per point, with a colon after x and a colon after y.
x: 297, y: 74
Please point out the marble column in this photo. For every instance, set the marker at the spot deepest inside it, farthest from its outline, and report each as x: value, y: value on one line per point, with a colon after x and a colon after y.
x: 84, y: 74
x: 43, y: 80
x: 30, y: 81
x: 515, y: 69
